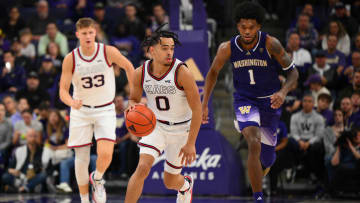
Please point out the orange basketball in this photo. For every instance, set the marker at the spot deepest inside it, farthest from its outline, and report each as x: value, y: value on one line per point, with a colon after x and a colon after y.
x: 140, y: 121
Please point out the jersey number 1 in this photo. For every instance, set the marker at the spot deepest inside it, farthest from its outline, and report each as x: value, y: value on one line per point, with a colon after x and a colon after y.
x: 251, y: 74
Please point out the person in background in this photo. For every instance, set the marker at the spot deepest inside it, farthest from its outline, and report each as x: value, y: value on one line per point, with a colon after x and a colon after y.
x: 39, y: 21
x: 6, y: 131
x: 12, y: 78
x: 26, y: 169
x: 53, y: 50
x: 21, y: 105
x: 13, y: 23
x: 328, y: 75
x: 22, y: 127
x: 316, y: 87
x: 324, y: 101
x: 53, y: 35
x: 335, y: 58
x: 344, y: 42
x: 10, y: 105
x: 27, y: 47
x: 48, y: 74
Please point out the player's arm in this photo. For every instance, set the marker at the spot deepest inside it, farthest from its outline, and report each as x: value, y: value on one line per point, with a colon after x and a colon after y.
x: 114, y: 56
x: 187, y: 81
x: 277, y: 51
x: 223, y: 54
x: 136, y: 91
x: 65, y: 82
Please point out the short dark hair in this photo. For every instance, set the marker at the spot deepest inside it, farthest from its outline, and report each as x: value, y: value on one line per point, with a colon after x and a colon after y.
x: 154, y: 38
x: 249, y: 10
x: 27, y: 111
x: 325, y: 96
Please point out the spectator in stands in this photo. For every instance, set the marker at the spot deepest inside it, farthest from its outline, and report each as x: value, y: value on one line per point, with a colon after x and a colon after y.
x: 355, y: 10
x: 47, y: 73
x: 20, y: 59
x: 27, y: 48
x: 345, y: 166
x: 351, y: 118
x: 101, y: 36
x: 53, y: 35
x: 6, y: 132
x: 331, y: 134
x: 33, y: 91
x: 308, y: 35
x: 291, y: 104
x: 344, y: 43
x: 56, y: 138
x: 44, y: 109
x: 4, y: 43
x: 343, y: 16
x: 323, y: 69
x: 102, y: 19
x: 316, y: 87
x: 62, y: 4
x: 39, y: 22
x: 315, y: 21
x: 53, y: 50
x: 282, y: 140
x: 356, y: 46
x: 132, y: 24
x: 13, y: 23
x: 79, y: 9
x: 355, y: 101
x: 355, y: 65
x: 159, y: 17
x: 301, y: 56
x: 22, y: 127
x: 22, y: 105
x: 350, y: 89
x: 304, y: 145
x: 10, y: 105
x: 335, y: 58
x: 12, y: 77
x: 26, y: 168
x: 324, y: 101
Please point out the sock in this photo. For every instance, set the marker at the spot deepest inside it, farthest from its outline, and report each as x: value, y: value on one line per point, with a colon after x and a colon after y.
x: 84, y: 198
x: 185, y: 186
x: 258, y: 197
x: 98, y: 175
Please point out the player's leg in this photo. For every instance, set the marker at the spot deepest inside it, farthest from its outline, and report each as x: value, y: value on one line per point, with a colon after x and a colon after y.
x: 136, y: 182
x: 151, y: 146
x: 104, y: 129
x: 80, y: 136
x: 173, y: 179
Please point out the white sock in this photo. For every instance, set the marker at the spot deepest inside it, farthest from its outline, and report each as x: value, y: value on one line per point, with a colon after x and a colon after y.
x: 84, y: 198
x: 185, y: 186
x: 98, y: 175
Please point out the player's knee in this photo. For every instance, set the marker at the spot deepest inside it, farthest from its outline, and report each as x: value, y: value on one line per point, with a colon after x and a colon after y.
x: 169, y: 181
x: 143, y: 170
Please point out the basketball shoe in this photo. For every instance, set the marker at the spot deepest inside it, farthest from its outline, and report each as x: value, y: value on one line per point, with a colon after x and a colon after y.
x: 98, y: 189
x: 186, y: 196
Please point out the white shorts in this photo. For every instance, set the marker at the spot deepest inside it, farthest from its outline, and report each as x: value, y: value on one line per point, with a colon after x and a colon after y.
x: 86, y: 122
x: 169, y: 139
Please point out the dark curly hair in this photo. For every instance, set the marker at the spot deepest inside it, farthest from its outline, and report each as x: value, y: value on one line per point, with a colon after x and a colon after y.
x: 249, y: 10
x: 154, y: 38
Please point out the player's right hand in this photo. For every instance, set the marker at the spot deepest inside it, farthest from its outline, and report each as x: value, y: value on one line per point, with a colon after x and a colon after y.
x: 76, y: 104
x: 205, y: 116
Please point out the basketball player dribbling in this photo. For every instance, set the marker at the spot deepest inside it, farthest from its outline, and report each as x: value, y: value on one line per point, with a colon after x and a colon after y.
x: 89, y: 69
x: 255, y: 57
x: 173, y: 96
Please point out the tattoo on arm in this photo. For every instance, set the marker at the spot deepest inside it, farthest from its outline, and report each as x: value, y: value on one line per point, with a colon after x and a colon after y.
x: 277, y: 50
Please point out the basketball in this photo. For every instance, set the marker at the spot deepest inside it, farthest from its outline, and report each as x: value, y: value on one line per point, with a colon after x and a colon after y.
x: 140, y: 121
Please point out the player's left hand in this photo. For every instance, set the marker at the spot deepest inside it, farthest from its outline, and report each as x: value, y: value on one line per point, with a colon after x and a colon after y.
x: 277, y: 99
x: 188, y: 153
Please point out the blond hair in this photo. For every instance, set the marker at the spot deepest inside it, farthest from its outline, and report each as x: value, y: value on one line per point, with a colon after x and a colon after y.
x: 85, y: 23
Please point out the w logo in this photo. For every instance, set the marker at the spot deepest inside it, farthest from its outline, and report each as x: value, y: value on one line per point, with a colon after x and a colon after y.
x: 244, y: 109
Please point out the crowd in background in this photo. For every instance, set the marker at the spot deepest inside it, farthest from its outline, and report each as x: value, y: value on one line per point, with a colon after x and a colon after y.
x: 35, y: 36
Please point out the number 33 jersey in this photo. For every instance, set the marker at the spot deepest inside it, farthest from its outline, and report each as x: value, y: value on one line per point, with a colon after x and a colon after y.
x: 255, y: 72
x: 165, y: 97
x: 93, y: 77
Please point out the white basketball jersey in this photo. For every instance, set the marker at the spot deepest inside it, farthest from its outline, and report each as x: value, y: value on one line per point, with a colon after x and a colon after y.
x: 165, y: 97
x: 93, y: 77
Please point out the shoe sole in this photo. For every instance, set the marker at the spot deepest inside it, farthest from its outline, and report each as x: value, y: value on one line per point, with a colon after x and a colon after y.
x: 192, y: 187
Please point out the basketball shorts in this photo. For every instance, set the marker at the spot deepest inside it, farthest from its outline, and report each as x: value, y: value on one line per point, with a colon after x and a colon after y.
x: 257, y: 112
x: 168, y: 139
x: 86, y: 122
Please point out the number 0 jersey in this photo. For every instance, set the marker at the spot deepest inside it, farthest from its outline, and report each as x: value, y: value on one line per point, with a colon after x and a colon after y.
x: 165, y: 97
x: 255, y: 73
x: 93, y: 77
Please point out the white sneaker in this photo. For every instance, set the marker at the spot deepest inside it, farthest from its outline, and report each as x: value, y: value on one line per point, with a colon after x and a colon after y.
x: 186, y: 197
x: 98, y: 189
x: 64, y: 187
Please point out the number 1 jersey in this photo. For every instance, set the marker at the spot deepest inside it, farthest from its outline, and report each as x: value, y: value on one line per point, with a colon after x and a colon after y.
x: 165, y: 97
x: 93, y: 77
x: 255, y: 73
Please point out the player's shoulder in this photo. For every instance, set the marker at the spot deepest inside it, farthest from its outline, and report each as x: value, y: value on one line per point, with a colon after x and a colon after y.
x: 225, y: 45
x: 273, y: 45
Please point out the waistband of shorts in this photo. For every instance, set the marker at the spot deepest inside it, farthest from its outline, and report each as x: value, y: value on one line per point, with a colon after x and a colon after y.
x: 173, y: 123
x: 99, y: 106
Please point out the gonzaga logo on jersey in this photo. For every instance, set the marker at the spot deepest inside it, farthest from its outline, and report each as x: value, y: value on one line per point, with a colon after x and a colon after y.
x: 159, y: 89
x: 204, y: 162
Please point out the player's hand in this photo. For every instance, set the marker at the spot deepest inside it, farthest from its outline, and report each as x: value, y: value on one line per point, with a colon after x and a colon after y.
x: 131, y: 107
x: 205, y: 116
x: 277, y: 99
x: 76, y: 104
x: 188, y: 153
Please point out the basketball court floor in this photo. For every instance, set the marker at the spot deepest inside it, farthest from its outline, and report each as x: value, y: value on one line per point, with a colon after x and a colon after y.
x: 51, y: 198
